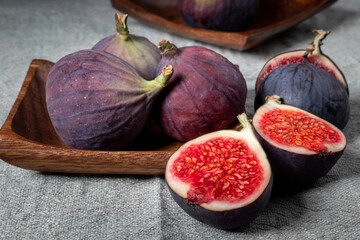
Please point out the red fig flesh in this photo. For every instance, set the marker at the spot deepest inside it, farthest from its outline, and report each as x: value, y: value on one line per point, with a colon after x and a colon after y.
x: 222, y: 178
x: 301, y: 147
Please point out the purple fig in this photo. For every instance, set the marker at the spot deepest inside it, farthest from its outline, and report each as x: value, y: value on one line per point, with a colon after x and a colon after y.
x: 138, y: 51
x: 98, y: 101
x: 205, y: 93
x: 223, y: 15
x: 310, y: 81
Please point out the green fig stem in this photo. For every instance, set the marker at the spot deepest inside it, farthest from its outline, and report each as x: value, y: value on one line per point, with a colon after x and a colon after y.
x: 121, y: 25
x: 167, y: 48
x: 165, y: 45
x: 154, y: 86
x: 165, y: 75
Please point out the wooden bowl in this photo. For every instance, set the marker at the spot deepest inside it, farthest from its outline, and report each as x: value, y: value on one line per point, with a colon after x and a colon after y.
x: 28, y: 139
x: 274, y: 17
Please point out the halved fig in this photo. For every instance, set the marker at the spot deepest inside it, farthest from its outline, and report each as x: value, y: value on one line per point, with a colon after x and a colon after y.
x: 315, y: 57
x: 301, y: 147
x: 222, y: 178
x: 310, y: 82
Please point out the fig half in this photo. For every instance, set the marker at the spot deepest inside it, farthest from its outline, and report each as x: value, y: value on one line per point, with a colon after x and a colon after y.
x: 205, y: 93
x: 308, y: 80
x: 222, y: 178
x: 96, y: 101
x: 301, y: 147
x: 315, y: 57
x: 138, y: 51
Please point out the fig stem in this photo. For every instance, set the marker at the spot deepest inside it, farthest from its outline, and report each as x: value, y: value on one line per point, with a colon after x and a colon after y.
x: 274, y: 98
x: 153, y: 86
x: 321, y: 35
x: 164, y: 45
x: 165, y: 75
x: 243, y: 120
x: 309, y: 50
x: 167, y: 48
x: 121, y: 25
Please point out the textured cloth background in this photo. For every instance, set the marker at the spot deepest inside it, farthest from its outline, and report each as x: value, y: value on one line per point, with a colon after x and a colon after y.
x: 35, y: 205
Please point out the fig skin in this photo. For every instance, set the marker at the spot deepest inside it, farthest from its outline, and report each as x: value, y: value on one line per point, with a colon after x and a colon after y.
x: 310, y: 88
x: 226, y: 220
x: 296, y: 169
x: 309, y: 80
x: 97, y: 101
x: 224, y: 214
x: 292, y: 168
x: 222, y: 15
x: 205, y: 93
x: 314, y: 55
x: 138, y: 51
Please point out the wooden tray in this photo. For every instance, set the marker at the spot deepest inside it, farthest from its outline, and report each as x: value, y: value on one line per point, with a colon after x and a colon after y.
x: 28, y: 139
x: 274, y: 17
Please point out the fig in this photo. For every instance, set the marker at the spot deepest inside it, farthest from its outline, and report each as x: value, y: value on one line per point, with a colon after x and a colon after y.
x: 97, y: 101
x: 221, y: 178
x: 222, y: 15
x: 315, y: 56
x: 308, y: 80
x: 205, y: 93
x: 138, y: 51
x: 300, y: 146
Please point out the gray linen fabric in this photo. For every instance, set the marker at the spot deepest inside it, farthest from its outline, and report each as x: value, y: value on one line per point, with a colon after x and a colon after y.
x: 35, y: 205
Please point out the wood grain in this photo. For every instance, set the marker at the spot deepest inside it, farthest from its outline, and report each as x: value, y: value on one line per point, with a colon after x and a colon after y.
x: 274, y: 17
x: 28, y: 139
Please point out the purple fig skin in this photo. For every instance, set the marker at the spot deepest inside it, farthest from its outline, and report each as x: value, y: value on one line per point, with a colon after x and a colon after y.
x: 314, y: 54
x: 227, y: 220
x: 223, y: 15
x: 97, y: 101
x: 310, y: 88
x: 138, y: 51
x: 296, y: 169
x: 205, y: 93
x: 309, y: 80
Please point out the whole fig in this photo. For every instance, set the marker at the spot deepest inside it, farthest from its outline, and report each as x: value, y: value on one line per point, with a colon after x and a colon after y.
x: 138, y: 51
x: 205, y: 93
x: 97, y: 101
x: 223, y: 15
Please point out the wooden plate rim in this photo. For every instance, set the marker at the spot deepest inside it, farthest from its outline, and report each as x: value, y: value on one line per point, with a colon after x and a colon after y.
x: 234, y: 40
